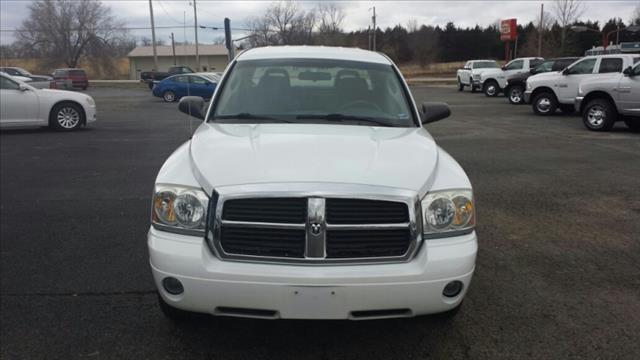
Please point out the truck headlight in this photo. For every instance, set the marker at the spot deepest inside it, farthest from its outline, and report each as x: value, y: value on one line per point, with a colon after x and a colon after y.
x: 448, y: 213
x: 90, y: 101
x: 476, y: 76
x: 179, y: 209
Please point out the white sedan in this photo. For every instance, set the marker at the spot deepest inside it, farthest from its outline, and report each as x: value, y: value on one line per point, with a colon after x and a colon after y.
x: 23, y: 105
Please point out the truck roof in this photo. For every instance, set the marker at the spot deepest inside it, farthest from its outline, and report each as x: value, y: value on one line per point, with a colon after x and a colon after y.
x: 313, y: 52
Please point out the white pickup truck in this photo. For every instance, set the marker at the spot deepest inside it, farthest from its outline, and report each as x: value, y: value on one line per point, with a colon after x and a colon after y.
x: 469, y: 75
x: 604, y: 100
x: 311, y: 190
x: 549, y: 91
x: 494, y: 81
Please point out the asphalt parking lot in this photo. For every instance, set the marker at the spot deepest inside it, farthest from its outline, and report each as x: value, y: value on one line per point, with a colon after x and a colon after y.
x: 558, y: 270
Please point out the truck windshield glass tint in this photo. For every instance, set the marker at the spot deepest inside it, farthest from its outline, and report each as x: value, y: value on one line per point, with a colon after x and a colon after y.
x: 296, y: 90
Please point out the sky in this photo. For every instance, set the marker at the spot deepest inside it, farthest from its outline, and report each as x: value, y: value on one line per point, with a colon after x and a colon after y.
x: 135, y: 13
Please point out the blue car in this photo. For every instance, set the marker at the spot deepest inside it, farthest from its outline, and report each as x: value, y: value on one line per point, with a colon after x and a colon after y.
x: 177, y: 86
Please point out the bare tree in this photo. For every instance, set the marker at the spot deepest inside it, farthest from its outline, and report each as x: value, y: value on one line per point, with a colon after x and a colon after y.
x: 412, y: 25
x: 566, y: 13
x: 635, y: 18
x: 283, y: 23
x: 66, y: 30
x: 331, y: 17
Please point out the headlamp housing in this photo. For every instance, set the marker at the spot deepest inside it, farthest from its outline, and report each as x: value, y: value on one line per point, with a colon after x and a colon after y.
x: 448, y: 213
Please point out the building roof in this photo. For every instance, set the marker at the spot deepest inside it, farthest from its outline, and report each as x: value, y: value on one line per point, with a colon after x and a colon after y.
x: 181, y: 50
x: 313, y: 52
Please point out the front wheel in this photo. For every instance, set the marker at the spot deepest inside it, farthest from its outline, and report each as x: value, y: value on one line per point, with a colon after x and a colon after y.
x: 599, y: 115
x: 460, y: 85
x: 66, y: 117
x: 491, y: 88
x: 516, y: 95
x: 544, y: 104
x: 169, y: 96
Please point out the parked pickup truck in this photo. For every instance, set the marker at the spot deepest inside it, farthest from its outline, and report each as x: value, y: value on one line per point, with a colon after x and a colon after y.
x: 150, y: 76
x: 469, y: 75
x: 517, y: 83
x: 549, y: 91
x: 604, y: 100
x: 311, y: 190
x: 495, y: 80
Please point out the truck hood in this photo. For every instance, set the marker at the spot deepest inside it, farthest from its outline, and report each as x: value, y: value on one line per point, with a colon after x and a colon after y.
x: 542, y: 77
x: 492, y: 72
x: 236, y: 154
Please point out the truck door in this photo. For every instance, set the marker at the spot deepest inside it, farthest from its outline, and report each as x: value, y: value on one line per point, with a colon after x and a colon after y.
x: 566, y: 86
x: 629, y: 92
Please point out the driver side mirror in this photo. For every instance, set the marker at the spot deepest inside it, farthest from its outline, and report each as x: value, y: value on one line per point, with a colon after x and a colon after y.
x: 628, y: 71
x: 434, y: 111
x: 504, y: 68
x: 565, y: 71
x: 192, y: 106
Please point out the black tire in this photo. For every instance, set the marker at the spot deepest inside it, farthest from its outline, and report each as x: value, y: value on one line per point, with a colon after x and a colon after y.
x: 567, y: 108
x: 150, y: 85
x: 545, y: 104
x: 599, y: 115
x: 474, y: 89
x: 173, y: 314
x: 66, y: 116
x: 169, y: 96
x: 491, y: 88
x: 632, y: 123
x: 460, y: 85
x: 515, y: 94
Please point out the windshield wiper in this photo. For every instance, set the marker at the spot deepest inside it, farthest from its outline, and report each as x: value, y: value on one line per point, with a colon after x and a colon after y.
x: 338, y: 117
x: 248, y: 116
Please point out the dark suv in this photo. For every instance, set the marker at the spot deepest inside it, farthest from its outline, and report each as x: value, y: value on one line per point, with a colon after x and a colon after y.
x: 516, y: 84
x: 70, y: 79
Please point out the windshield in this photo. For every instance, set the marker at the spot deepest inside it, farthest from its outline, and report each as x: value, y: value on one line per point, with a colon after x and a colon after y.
x: 544, y: 67
x: 23, y: 72
x: 77, y: 72
x: 485, y: 64
x: 313, y: 91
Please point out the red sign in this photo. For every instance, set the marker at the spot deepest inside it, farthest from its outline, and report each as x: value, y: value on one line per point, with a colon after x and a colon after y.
x: 508, y: 30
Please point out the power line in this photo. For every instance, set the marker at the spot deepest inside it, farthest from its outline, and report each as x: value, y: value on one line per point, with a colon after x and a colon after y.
x: 167, y: 13
x: 215, y: 28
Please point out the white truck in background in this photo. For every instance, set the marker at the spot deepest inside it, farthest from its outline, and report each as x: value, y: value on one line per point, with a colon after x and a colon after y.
x: 469, y: 75
x: 549, y: 91
x: 494, y: 81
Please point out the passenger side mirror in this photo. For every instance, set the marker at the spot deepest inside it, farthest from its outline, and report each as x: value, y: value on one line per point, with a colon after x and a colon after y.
x: 565, y: 71
x: 434, y: 111
x: 23, y: 87
x: 504, y: 68
x: 192, y: 106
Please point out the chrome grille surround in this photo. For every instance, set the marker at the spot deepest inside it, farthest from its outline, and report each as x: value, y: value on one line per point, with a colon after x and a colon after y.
x: 316, y: 193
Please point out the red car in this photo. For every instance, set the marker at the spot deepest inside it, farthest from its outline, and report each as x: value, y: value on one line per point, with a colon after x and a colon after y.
x: 70, y: 79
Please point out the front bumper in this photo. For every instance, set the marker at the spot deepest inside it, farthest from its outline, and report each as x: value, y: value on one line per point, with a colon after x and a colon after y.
x: 311, y: 291
x: 527, y: 97
x: 91, y: 114
x: 578, y: 103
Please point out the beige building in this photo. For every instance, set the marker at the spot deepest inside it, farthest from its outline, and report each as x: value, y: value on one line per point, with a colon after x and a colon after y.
x: 212, y: 58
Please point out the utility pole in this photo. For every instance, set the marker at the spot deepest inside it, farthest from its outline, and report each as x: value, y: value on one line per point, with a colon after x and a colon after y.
x: 153, y: 38
x: 228, y: 41
x: 374, y: 28
x: 173, y: 47
x: 540, y: 29
x: 369, y: 41
x: 195, y: 17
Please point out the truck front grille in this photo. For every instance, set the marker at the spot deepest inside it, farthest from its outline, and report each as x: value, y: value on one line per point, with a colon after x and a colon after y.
x: 314, y: 229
